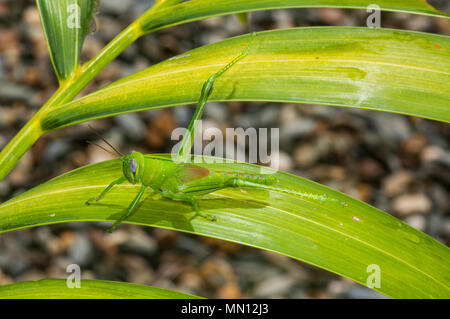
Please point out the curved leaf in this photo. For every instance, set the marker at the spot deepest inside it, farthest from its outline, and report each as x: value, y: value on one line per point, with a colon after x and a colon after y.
x: 200, y: 9
x: 65, y: 24
x: 89, y: 289
x: 344, y: 236
x: 387, y: 70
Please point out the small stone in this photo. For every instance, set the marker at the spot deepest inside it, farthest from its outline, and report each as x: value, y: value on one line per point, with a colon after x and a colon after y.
x: 412, y: 203
x: 281, y: 161
x: 417, y: 23
x: 391, y: 127
x: 190, y: 279
x: 139, y: 271
x: 31, y: 16
x: 230, y: 291
x: 284, y: 19
x: 365, y: 192
x: 160, y: 129
x: 4, y: 279
x: 132, y: 125
x: 415, y: 144
x: 370, y: 169
x: 362, y: 293
x: 217, y: 111
x: 305, y: 155
x: 140, y: 243
x: 91, y: 46
x: 115, y: 6
x: 21, y: 172
x: 397, y: 183
x: 213, y: 22
x: 432, y: 153
x: 333, y: 16
x: 329, y: 172
x: 56, y: 150
x: 443, y: 25
x: 416, y: 221
x: 15, y: 92
x: 81, y: 252
x: 277, y: 285
x: 297, y: 128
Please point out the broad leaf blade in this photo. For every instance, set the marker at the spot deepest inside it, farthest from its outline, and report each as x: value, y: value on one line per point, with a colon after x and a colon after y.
x: 65, y: 24
x: 89, y: 289
x: 381, y: 69
x: 342, y: 238
x: 200, y: 9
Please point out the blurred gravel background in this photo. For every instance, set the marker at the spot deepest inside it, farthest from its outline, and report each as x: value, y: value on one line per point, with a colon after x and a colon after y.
x: 397, y: 163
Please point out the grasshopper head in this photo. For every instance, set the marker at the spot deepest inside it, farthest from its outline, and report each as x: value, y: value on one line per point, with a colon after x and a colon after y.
x: 133, y: 167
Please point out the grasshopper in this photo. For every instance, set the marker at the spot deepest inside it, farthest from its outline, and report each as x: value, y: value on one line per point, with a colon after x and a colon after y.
x: 178, y: 180
x: 181, y: 181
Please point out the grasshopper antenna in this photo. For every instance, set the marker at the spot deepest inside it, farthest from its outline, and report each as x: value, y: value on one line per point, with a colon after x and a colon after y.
x: 104, y: 140
x: 93, y: 143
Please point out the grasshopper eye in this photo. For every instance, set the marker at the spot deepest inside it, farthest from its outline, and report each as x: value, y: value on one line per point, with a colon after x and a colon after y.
x: 133, y: 166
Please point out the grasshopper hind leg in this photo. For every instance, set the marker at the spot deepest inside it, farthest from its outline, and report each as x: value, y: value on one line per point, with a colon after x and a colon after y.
x: 190, y: 199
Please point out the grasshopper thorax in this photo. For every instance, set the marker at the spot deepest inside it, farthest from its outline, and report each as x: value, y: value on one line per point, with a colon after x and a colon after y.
x: 133, y: 167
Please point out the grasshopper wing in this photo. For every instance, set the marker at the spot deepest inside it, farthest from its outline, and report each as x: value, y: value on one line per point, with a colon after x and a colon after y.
x: 187, y: 173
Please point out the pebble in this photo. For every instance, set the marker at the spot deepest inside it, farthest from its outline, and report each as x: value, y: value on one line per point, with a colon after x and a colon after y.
x: 362, y: 293
x: 132, y: 125
x: 415, y: 144
x: 139, y: 270
x: 305, y: 155
x: 115, y: 6
x: 15, y: 92
x: 277, y: 285
x: 284, y: 19
x: 408, y: 204
x: 333, y: 16
x: 217, y: 111
x: 189, y: 245
x: 397, y: 182
x: 391, y: 127
x: 281, y: 161
x: 297, y: 128
x: 139, y: 243
x: 434, y: 153
x: 81, y: 251
x: 416, y: 221
x: 20, y: 174
x: 370, y: 169
x: 56, y: 150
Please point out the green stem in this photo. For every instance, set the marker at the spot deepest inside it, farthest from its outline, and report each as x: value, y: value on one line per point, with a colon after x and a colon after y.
x: 23, y: 140
x: 89, y: 70
x: 26, y: 137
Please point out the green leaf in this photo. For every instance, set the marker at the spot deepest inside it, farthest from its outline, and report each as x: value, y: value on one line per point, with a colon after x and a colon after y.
x: 89, y: 289
x: 200, y: 9
x: 344, y: 236
x: 381, y: 69
x: 65, y: 24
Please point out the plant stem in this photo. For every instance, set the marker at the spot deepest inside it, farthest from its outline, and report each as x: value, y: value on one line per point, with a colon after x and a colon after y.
x: 26, y: 137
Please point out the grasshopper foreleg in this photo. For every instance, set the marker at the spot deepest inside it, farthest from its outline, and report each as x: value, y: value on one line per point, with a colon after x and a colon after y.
x: 129, y: 210
x: 107, y: 189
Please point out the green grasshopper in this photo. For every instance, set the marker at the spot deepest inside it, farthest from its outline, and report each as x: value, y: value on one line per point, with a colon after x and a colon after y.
x: 181, y: 181
x: 184, y: 182
x: 177, y: 181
